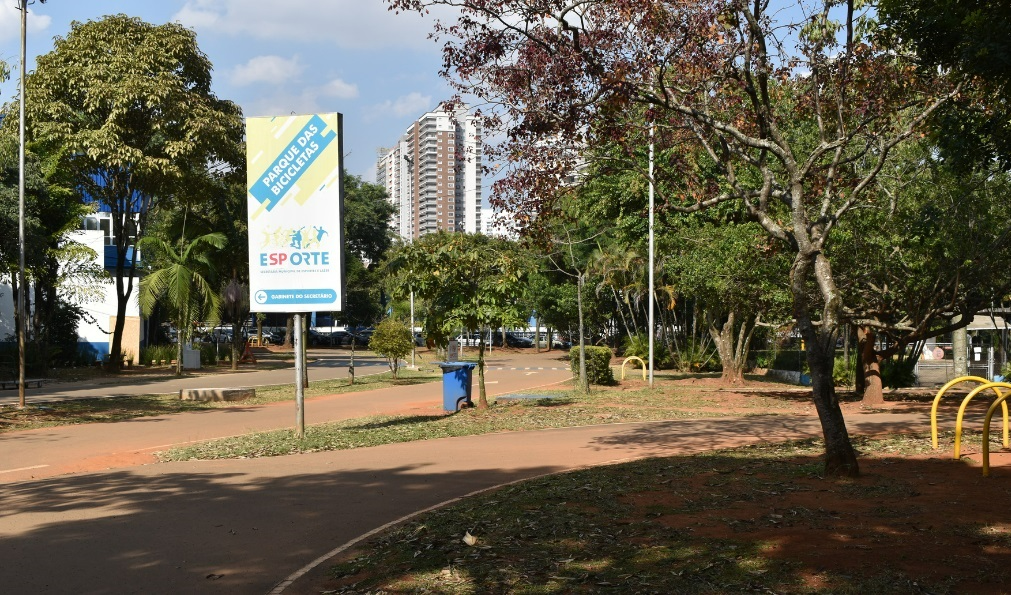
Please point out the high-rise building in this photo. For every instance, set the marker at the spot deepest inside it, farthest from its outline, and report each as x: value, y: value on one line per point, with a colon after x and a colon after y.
x: 433, y: 174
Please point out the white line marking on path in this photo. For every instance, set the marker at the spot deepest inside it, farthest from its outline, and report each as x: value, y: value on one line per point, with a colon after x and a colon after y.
x: 23, y: 469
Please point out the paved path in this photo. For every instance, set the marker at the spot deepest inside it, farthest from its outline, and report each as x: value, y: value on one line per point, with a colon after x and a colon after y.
x: 47, y: 452
x: 326, y: 364
x: 242, y: 526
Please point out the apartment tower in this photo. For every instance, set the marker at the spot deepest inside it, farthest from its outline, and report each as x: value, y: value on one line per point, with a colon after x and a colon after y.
x: 433, y: 174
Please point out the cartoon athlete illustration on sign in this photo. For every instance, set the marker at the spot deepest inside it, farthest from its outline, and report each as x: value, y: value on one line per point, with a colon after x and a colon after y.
x: 296, y: 239
x: 320, y: 232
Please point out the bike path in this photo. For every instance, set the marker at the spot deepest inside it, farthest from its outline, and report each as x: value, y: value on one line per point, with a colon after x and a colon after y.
x: 243, y: 526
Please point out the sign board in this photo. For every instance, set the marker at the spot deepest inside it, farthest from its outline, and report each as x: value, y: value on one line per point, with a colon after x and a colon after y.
x: 453, y: 351
x: 295, y: 197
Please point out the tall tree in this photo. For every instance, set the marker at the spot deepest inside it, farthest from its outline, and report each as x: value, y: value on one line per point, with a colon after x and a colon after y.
x: 718, y: 78
x: 128, y: 107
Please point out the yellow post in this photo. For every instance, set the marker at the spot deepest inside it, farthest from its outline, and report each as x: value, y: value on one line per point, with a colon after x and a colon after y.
x: 937, y: 399
x: 961, y: 412
x: 633, y: 358
x: 1002, y: 401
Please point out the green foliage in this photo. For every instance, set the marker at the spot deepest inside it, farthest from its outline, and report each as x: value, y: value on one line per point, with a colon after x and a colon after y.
x: 208, y: 354
x: 468, y: 281
x: 598, y: 364
x: 125, y: 109
x: 638, y: 345
x: 392, y: 340
x: 898, y: 374
x: 157, y: 354
x: 841, y: 375
x: 969, y: 40
x: 696, y: 355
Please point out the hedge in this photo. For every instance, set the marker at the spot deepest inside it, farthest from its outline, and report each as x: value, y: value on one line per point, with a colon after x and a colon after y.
x: 598, y: 364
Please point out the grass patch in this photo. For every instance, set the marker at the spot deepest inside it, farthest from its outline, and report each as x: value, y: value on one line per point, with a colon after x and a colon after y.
x: 113, y: 409
x: 605, y: 530
x: 568, y: 409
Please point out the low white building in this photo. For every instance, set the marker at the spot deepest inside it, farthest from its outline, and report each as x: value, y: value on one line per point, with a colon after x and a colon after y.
x: 98, y: 299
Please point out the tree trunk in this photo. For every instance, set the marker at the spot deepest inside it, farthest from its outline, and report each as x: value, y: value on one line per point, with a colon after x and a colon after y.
x: 482, y: 396
x: 870, y: 368
x: 351, y: 368
x: 840, y: 458
x: 122, y: 298
x: 289, y: 331
x: 537, y: 334
x: 812, y: 265
x: 733, y: 354
x: 960, y: 349
x: 238, y: 344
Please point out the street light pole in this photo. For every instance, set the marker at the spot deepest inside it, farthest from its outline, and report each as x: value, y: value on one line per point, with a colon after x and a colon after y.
x: 22, y: 327
x: 652, y: 328
x: 414, y: 344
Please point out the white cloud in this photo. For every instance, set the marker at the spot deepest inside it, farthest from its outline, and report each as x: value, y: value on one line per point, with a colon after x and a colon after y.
x: 355, y: 24
x: 339, y: 89
x: 266, y: 69
x: 10, y: 22
x: 310, y: 100
x: 413, y: 104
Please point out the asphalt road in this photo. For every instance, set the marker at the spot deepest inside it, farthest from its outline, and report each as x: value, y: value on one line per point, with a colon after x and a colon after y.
x: 324, y: 365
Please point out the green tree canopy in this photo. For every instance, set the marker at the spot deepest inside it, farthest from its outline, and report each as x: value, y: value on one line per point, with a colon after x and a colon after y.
x: 128, y: 108
x: 469, y: 281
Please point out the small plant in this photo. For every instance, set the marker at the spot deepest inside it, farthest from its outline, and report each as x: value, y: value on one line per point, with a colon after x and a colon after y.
x: 638, y: 345
x: 157, y: 353
x: 841, y: 375
x: 392, y: 340
x: 598, y: 364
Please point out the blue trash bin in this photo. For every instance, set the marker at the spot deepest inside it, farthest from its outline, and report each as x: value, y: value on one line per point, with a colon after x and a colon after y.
x: 457, y: 378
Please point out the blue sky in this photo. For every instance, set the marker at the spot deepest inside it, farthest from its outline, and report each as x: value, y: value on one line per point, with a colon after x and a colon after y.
x: 304, y: 56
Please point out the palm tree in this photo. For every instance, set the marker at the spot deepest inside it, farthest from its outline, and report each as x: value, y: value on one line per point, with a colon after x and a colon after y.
x: 183, y: 283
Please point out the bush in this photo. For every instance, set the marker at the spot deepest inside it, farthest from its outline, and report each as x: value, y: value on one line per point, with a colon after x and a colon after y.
x: 208, y: 354
x: 598, y: 364
x: 392, y: 340
x: 157, y: 353
x: 896, y: 374
x: 841, y: 376
x: 696, y: 355
x: 638, y: 345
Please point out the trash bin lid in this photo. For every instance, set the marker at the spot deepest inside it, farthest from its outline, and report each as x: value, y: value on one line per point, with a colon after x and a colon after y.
x: 451, y: 366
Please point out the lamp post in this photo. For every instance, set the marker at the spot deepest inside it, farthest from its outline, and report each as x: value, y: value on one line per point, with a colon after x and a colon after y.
x: 652, y: 328
x: 414, y: 343
x: 22, y: 327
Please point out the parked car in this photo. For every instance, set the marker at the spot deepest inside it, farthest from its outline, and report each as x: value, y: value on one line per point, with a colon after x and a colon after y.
x: 419, y: 340
x: 320, y: 338
x: 469, y: 339
x: 511, y: 340
x: 361, y: 337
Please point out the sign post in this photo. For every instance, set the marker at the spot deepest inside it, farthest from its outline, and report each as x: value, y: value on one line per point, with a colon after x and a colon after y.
x: 295, y: 199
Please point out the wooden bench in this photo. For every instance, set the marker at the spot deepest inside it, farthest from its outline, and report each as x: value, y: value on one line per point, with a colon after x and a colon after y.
x: 13, y: 384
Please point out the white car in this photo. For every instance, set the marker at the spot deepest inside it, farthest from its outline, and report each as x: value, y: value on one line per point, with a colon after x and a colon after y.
x: 469, y: 340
